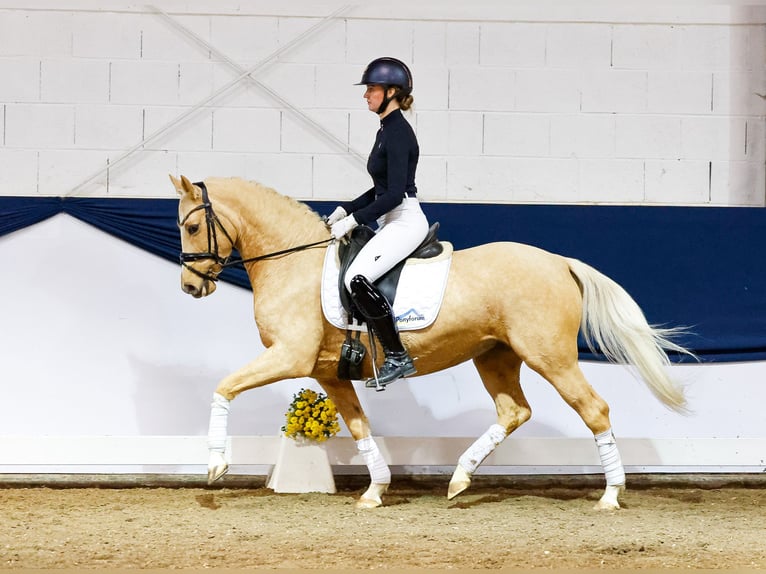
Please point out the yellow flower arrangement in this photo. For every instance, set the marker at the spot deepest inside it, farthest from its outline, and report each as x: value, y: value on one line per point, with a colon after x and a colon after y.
x: 311, y: 416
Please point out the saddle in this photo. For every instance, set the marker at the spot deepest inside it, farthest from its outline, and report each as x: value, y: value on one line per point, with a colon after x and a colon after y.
x: 387, y: 284
x: 353, y: 350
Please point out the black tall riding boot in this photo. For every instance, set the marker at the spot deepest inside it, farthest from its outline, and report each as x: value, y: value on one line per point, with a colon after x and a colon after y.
x: 376, y: 309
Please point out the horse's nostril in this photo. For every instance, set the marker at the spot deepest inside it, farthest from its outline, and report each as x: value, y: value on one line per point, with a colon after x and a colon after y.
x: 189, y: 288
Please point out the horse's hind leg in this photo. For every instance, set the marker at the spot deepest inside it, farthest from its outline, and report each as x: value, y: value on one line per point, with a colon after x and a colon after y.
x: 578, y: 393
x: 499, y: 369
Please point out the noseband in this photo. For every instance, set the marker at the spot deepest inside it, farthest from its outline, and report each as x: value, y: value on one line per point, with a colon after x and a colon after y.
x: 212, y: 222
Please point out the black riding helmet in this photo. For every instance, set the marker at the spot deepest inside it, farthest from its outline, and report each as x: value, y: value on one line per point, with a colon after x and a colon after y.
x: 388, y: 72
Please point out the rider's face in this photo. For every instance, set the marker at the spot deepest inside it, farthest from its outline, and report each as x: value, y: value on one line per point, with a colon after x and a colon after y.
x: 374, y: 96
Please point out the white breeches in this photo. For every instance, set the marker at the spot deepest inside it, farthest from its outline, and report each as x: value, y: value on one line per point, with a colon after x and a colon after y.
x: 399, y: 233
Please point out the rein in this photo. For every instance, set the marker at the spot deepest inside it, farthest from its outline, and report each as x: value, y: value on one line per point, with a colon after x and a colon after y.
x: 212, y: 222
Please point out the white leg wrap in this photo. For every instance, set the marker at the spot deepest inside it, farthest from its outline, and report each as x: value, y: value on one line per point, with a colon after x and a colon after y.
x: 219, y: 418
x: 610, y: 458
x: 376, y: 464
x: 481, y: 449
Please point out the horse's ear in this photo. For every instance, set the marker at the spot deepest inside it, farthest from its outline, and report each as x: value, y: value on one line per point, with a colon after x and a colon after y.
x: 176, y: 183
x: 184, y: 186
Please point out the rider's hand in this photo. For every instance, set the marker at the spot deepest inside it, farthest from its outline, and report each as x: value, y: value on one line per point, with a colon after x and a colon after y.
x: 343, y: 227
x: 336, y: 216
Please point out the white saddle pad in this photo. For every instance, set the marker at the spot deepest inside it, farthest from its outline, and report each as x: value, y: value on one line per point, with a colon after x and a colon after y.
x: 418, y: 296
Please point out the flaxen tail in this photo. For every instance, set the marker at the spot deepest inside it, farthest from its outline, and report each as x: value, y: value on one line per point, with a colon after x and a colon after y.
x: 613, y: 324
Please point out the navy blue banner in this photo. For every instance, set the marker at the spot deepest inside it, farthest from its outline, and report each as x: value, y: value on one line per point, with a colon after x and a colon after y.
x: 699, y: 267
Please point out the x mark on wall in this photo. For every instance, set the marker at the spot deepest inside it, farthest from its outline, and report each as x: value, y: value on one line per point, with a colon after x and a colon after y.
x: 243, y: 74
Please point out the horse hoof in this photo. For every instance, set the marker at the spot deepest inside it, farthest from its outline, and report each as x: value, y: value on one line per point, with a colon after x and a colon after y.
x: 372, y: 496
x: 459, y: 482
x: 217, y: 467
x: 368, y: 503
x: 609, y: 500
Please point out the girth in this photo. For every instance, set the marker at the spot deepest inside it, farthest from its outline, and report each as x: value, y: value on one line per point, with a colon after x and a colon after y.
x: 387, y: 284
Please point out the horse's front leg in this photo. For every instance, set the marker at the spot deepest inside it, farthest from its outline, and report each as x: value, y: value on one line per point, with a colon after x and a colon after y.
x: 275, y: 364
x: 346, y: 401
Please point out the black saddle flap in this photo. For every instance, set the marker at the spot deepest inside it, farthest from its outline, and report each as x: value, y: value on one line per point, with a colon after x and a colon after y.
x: 347, y: 252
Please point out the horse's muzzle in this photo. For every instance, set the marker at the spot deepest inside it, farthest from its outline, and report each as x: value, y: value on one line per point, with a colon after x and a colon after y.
x: 197, y: 290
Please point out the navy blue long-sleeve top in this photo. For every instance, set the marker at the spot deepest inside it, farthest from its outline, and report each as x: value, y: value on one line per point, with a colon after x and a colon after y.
x: 391, y: 164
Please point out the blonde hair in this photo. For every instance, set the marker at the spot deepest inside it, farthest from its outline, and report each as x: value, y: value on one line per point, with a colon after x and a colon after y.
x: 405, y: 103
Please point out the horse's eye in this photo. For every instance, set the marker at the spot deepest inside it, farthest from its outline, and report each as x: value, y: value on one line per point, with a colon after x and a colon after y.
x: 192, y: 228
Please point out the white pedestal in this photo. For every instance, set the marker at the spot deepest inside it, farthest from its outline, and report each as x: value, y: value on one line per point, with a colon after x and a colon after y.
x: 301, y: 467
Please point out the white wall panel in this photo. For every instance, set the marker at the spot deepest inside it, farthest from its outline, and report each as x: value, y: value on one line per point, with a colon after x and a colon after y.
x: 516, y: 45
x: 195, y: 135
x: 21, y: 80
x: 677, y: 182
x: 466, y: 134
x: 251, y: 130
x: 324, y: 47
x: 60, y: 170
x: 74, y: 81
x: 493, y: 179
x: 714, y: 138
x: 138, y: 82
x: 199, y: 165
x: 517, y: 135
x: 18, y: 172
x: 742, y: 182
x: 740, y: 93
x: 713, y: 47
x: 612, y: 180
x: 626, y: 62
x: 35, y: 33
x: 432, y: 179
x: 534, y: 178
x: 481, y: 89
x: 44, y: 126
x: 335, y: 89
x: 196, y: 82
x: 614, y: 91
x: 290, y: 174
x: 333, y: 173
x: 433, y: 87
x: 546, y: 90
x: 142, y: 174
x: 246, y: 39
x: 300, y: 137
x: 583, y: 135
x: 578, y: 47
x: 653, y: 47
x: 110, y: 127
x: 429, y: 45
x: 641, y: 136
x: 162, y: 42
x: 463, y: 40
x: 679, y: 92
x: 293, y: 82
x: 369, y: 39
x: 107, y: 35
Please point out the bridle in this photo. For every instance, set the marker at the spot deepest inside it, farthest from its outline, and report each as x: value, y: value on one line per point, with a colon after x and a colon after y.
x: 212, y: 222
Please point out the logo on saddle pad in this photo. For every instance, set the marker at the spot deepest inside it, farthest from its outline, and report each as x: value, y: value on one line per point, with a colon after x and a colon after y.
x: 411, y: 316
x: 418, y: 296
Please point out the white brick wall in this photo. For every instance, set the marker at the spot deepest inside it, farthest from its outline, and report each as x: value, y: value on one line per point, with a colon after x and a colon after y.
x: 513, y: 103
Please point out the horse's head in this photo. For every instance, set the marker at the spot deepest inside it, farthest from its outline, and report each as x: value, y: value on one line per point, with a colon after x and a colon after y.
x: 205, y: 243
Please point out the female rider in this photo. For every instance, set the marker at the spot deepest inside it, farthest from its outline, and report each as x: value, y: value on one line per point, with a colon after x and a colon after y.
x: 392, y: 203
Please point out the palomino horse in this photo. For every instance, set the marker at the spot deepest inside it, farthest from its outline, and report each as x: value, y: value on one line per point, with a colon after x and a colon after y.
x: 504, y: 304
